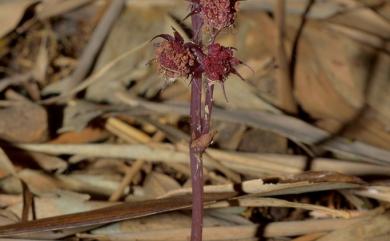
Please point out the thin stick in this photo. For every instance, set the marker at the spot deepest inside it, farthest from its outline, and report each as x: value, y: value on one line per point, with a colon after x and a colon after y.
x: 131, y: 172
x: 131, y: 133
x: 129, y: 175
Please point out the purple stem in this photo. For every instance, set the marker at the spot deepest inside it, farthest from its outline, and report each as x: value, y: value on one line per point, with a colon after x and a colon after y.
x: 197, y: 23
x: 197, y: 197
x: 196, y: 159
x: 196, y: 131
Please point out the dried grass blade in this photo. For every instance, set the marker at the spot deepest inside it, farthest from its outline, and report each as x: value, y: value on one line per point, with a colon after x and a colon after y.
x: 104, y: 215
x: 284, y: 125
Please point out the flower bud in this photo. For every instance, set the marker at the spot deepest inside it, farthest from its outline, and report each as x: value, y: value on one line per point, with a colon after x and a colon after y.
x: 174, y: 58
x: 218, y: 14
x: 219, y: 62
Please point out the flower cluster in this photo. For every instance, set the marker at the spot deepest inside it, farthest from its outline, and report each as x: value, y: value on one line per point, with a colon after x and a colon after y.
x: 175, y: 58
x: 219, y: 62
x: 178, y: 59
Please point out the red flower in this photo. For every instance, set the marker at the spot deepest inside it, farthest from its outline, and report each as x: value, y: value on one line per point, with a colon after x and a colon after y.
x: 174, y: 57
x: 219, y: 63
x: 218, y: 14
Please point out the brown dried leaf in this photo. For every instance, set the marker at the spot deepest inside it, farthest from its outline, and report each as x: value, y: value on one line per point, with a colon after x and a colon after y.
x: 364, y: 19
x: 103, y: 184
x: 78, y: 114
x: 38, y: 182
x: 164, y: 221
x: 372, y: 125
x: 368, y: 229
x: 49, y: 163
x: 10, y: 199
x: 320, y: 176
x: 274, y: 202
x: 349, y: 167
x: 285, y: 185
x: 8, y: 217
x: 238, y: 232
x: 23, y: 122
x: 51, y: 8
x: 86, y: 135
x: 329, y: 79
x: 6, y: 166
x: 378, y: 192
x: 293, y: 128
x: 257, y: 140
x: 11, y: 12
x: 39, y: 71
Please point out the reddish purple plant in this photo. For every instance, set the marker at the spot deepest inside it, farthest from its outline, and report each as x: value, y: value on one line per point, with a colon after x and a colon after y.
x: 174, y: 57
x: 219, y: 62
x: 215, y: 62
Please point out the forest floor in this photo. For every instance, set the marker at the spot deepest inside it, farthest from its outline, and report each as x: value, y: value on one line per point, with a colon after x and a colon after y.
x: 94, y: 142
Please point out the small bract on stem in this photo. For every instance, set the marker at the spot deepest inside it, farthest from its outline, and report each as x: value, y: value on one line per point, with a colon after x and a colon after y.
x: 206, y: 65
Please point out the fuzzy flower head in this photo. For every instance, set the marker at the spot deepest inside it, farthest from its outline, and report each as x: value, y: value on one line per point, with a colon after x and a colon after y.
x: 218, y: 14
x: 219, y: 63
x: 173, y: 57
